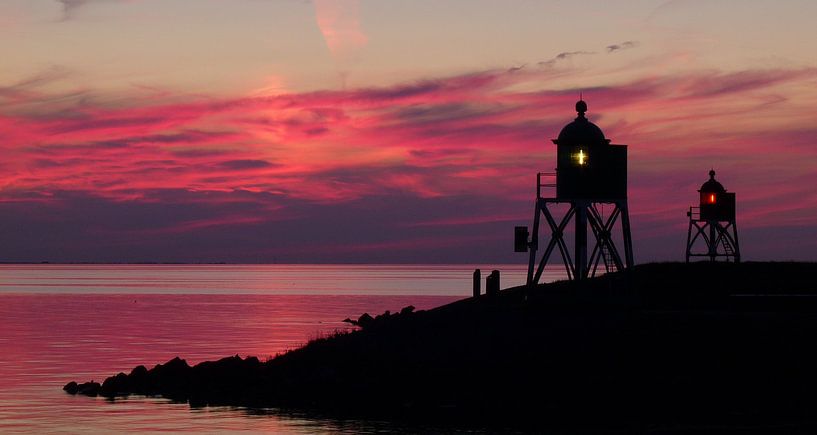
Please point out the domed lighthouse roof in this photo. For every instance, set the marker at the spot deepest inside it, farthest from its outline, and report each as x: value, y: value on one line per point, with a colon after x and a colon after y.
x: 712, y: 186
x: 581, y: 131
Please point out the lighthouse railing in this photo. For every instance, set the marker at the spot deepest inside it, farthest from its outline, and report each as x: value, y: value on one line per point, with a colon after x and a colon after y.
x: 545, y: 180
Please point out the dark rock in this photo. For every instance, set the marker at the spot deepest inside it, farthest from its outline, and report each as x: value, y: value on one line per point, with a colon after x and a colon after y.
x: 407, y: 310
x: 71, y: 387
x: 116, y: 385
x: 176, y: 369
x: 365, y: 320
x: 90, y: 389
x: 138, y: 372
x: 176, y: 365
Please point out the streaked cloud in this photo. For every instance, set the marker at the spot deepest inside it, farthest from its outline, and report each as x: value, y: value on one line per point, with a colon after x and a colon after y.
x: 339, y: 22
x: 626, y: 45
x: 69, y: 7
x: 279, y: 164
x: 564, y: 56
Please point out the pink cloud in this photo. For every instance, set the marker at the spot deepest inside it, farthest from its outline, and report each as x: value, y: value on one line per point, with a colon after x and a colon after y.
x: 472, y: 134
x: 339, y: 22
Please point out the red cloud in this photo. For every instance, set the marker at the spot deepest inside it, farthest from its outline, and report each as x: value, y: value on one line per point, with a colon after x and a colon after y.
x: 483, y: 134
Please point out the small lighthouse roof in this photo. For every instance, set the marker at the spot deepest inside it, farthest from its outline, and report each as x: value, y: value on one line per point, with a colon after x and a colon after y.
x: 581, y: 131
x: 712, y: 186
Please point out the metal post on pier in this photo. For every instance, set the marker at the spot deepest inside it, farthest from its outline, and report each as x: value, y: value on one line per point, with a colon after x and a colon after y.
x: 492, y: 283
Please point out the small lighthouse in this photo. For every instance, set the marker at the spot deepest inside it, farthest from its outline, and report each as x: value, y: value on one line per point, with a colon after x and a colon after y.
x: 591, y: 173
x: 713, y: 232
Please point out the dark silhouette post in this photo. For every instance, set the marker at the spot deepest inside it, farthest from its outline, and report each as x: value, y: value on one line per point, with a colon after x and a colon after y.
x: 712, y: 224
x: 590, y: 174
x: 477, y: 283
x: 492, y: 283
x: 580, y: 242
x: 497, y: 284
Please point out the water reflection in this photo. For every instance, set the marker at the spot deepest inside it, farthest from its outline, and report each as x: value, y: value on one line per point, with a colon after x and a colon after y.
x: 251, y: 279
x: 91, y: 332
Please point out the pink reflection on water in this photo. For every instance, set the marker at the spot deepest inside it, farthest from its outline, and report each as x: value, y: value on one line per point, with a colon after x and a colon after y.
x: 49, y: 339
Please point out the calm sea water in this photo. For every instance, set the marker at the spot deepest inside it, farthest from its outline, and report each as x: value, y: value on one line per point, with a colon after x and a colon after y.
x: 86, y: 322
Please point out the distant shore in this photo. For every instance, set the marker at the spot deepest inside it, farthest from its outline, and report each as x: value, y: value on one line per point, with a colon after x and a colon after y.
x: 92, y: 263
x: 664, y: 345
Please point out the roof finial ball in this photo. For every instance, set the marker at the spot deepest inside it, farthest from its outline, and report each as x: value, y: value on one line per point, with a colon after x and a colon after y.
x: 711, y: 174
x: 581, y: 108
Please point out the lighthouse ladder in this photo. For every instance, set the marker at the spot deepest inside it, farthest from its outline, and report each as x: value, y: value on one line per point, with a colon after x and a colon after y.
x: 727, y: 247
x: 609, y: 264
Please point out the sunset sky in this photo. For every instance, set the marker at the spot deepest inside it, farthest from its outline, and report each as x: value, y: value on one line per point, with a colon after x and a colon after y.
x: 390, y: 130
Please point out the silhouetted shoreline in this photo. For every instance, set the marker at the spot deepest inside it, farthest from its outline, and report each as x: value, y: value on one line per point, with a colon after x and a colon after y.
x: 665, y: 345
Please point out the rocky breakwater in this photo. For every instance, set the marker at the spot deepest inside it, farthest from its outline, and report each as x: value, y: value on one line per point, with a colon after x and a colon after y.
x: 228, y: 379
x: 232, y: 380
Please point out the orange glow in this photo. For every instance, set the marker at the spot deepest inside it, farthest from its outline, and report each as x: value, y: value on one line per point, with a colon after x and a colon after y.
x: 712, y: 198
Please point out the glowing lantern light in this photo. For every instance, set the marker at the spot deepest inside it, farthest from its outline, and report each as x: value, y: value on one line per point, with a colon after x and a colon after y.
x: 581, y: 158
x: 712, y: 198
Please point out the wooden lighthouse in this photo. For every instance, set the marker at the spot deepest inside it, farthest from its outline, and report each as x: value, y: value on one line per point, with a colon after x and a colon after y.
x: 590, y: 178
x: 713, y: 232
